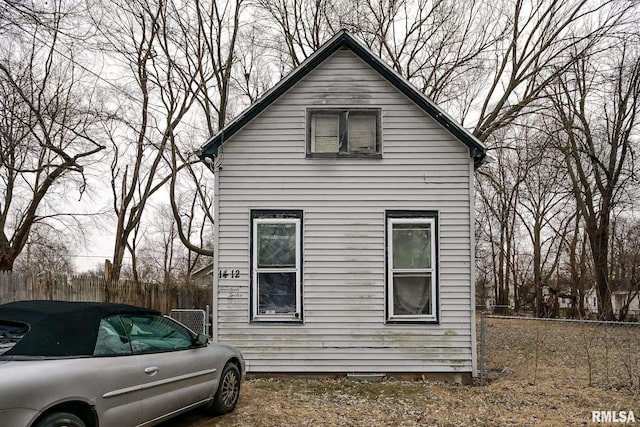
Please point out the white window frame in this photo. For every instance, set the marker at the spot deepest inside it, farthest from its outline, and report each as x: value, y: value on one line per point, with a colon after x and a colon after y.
x: 425, y: 218
x: 261, y: 218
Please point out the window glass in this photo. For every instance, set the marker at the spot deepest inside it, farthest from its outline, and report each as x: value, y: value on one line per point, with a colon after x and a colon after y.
x: 324, y: 131
x: 344, y: 132
x: 276, y: 293
x: 10, y: 334
x: 412, y: 266
x: 112, y: 339
x: 411, y: 294
x: 362, y: 133
x: 276, y: 250
x: 151, y: 334
x: 411, y: 246
x: 276, y: 245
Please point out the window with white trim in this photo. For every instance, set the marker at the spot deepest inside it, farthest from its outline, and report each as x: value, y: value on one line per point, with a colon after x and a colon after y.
x: 412, y: 266
x: 344, y: 132
x: 276, y: 258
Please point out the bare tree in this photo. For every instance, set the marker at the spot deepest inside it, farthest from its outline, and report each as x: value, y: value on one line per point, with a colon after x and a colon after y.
x: 46, y: 251
x: 542, y: 40
x: 596, y: 105
x: 538, y: 42
x: 256, y: 68
x: 499, y: 188
x: 215, y: 35
x: 625, y: 258
x: 154, y: 40
x: 191, y: 213
x: 163, y: 253
x: 544, y: 209
x: 578, y: 265
x: 180, y: 58
x: 18, y: 15
x: 490, y: 58
x: 440, y: 46
x: 301, y: 26
x: 47, y: 131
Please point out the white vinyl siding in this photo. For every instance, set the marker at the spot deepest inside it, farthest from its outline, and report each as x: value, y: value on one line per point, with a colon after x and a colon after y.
x: 344, y: 200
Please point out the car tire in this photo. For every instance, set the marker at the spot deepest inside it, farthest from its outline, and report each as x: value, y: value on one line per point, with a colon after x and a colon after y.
x: 228, y: 391
x: 60, y: 419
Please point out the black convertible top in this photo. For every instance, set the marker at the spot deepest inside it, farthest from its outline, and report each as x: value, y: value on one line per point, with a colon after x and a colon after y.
x: 60, y: 328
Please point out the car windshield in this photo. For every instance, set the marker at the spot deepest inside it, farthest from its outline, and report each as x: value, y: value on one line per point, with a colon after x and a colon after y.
x: 10, y: 334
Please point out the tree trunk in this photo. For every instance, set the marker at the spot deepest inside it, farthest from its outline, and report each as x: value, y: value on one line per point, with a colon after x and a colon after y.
x: 6, y: 261
x: 599, y: 239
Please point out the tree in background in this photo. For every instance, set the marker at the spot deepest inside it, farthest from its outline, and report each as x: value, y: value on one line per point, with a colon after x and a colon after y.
x: 47, y: 125
x: 542, y: 42
x: 45, y: 252
x: 625, y: 257
x: 577, y: 265
x: 499, y: 190
x: 545, y: 210
x: 173, y: 73
x: 176, y: 59
x: 595, y: 123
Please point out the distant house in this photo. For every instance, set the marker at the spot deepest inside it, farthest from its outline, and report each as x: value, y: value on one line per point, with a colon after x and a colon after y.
x: 203, y: 277
x: 620, y: 297
x: 344, y: 224
x: 565, y: 304
x: 622, y: 292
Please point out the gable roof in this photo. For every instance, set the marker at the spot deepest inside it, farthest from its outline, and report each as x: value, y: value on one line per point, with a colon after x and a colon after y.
x: 343, y: 39
x: 208, y: 269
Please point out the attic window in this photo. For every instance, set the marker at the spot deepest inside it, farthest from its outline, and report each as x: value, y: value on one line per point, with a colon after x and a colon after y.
x: 341, y: 132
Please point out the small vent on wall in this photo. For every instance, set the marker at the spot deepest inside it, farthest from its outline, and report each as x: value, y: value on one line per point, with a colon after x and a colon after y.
x: 370, y: 378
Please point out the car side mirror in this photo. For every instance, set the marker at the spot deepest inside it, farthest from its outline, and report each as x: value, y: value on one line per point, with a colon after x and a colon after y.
x: 202, y: 340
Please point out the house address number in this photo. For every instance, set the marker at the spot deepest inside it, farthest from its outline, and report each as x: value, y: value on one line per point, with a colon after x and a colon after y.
x: 229, y: 274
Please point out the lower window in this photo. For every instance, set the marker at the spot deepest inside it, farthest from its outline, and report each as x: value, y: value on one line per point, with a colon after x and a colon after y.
x: 412, y: 266
x: 276, y: 257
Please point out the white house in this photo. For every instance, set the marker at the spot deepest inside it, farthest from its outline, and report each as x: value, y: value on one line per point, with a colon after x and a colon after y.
x: 621, y: 293
x: 344, y: 224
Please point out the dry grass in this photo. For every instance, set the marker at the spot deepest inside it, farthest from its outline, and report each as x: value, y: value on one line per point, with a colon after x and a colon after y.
x: 539, y: 376
x: 607, y: 356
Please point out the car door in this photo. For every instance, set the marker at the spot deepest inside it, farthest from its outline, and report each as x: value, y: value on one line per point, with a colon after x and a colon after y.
x: 116, y: 376
x: 178, y: 373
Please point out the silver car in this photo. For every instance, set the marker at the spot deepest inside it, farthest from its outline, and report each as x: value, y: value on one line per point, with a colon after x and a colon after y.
x: 107, y: 365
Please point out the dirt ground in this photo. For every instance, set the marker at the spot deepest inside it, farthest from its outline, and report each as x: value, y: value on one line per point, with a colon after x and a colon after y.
x: 539, y: 374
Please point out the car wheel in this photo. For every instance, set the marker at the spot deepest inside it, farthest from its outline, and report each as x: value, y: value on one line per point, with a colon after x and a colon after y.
x: 60, y: 419
x: 228, y: 390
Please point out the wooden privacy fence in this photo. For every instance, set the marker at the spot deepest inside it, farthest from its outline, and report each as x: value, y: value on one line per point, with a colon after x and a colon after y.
x: 161, y: 297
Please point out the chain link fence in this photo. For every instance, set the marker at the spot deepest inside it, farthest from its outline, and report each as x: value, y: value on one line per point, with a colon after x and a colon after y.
x: 562, y: 351
x: 195, y: 319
